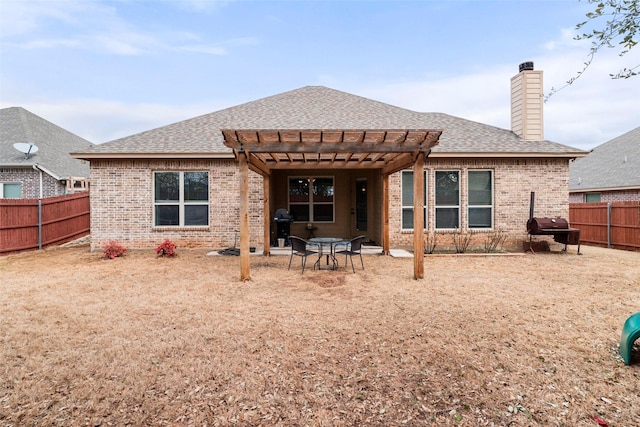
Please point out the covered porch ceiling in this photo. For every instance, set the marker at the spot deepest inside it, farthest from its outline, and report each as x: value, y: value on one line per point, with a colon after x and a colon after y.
x: 389, y: 150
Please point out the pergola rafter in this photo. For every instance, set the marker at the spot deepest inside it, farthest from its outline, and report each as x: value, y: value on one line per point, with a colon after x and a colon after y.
x: 388, y: 150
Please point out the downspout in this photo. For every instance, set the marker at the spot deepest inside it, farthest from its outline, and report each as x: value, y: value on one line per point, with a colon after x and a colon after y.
x: 609, y: 225
x: 35, y: 167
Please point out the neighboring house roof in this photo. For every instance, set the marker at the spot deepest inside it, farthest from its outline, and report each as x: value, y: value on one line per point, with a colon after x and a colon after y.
x: 318, y: 107
x: 54, y: 143
x: 614, y: 165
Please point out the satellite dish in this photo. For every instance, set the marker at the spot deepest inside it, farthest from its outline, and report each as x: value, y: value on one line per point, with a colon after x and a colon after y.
x: 26, y: 148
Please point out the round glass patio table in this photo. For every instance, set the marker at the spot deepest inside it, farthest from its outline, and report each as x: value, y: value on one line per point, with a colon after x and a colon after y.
x: 325, y: 243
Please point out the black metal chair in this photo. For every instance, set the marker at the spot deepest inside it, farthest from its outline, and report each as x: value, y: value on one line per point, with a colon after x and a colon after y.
x: 300, y: 247
x: 351, y: 248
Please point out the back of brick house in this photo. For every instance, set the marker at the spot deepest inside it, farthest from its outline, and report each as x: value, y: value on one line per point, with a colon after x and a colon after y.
x: 478, y: 178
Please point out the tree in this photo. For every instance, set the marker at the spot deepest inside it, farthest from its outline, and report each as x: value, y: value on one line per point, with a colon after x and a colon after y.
x: 620, y: 29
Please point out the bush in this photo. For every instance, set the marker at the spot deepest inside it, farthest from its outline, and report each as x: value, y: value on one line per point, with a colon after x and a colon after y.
x: 494, y: 241
x: 430, y: 243
x: 166, y: 248
x: 113, y: 249
x: 461, y: 240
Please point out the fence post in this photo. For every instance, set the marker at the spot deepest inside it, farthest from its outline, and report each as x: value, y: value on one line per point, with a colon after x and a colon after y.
x: 39, y: 223
x: 609, y: 225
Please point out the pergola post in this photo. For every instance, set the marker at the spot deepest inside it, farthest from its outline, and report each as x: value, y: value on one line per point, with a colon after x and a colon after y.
x: 385, y: 214
x: 418, y: 216
x: 245, y: 268
x: 265, y: 215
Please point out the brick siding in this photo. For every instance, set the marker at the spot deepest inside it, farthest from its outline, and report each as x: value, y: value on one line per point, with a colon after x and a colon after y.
x: 122, y: 204
x: 122, y: 199
x: 514, y: 180
x: 609, y: 196
x: 30, y: 180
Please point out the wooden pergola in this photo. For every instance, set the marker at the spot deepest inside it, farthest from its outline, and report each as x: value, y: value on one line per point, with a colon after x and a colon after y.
x: 389, y: 150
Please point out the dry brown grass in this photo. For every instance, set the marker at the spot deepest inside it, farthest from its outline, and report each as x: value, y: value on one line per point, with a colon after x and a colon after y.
x: 141, y: 340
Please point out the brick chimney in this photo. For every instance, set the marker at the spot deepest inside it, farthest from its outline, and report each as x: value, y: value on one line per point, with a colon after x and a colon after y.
x: 527, y: 119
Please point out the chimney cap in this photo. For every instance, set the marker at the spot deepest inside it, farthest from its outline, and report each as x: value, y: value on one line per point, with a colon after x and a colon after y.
x: 526, y: 66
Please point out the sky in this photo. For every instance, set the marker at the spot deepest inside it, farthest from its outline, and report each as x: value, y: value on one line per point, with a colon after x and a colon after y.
x: 106, y: 69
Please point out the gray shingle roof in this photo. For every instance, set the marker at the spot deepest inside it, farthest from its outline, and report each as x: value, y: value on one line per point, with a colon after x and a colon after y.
x: 614, y: 164
x: 54, y: 143
x: 318, y: 107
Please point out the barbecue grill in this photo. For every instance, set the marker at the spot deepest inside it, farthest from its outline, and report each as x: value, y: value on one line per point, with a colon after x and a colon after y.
x: 283, y: 220
x: 557, y: 227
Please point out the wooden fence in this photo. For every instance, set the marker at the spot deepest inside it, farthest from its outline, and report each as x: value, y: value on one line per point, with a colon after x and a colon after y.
x: 35, y: 223
x: 615, y: 225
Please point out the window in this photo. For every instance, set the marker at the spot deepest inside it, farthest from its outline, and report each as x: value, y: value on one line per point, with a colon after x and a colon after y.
x: 407, y: 200
x: 447, y: 199
x: 10, y: 190
x: 311, y: 199
x: 592, y: 198
x: 480, y: 198
x: 181, y: 198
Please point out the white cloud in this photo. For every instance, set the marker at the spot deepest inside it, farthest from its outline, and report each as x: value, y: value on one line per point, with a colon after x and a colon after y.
x: 22, y: 17
x: 49, y: 43
x: 210, y: 50
x: 595, y: 108
x: 566, y: 40
x: 472, y: 96
x: 591, y: 111
x: 100, y: 121
x: 203, y: 5
x: 219, y: 48
x: 98, y: 27
x: 119, y: 45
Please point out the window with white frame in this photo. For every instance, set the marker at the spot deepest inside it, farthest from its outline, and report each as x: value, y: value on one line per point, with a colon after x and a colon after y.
x: 407, y: 200
x: 447, y: 192
x: 10, y: 190
x: 480, y: 198
x: 311, y: 199
x: 181, y: 199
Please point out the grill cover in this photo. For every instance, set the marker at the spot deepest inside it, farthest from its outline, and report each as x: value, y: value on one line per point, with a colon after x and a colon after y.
x: 571, y: 237
x: 538, y: 225
x: 283, y: 215
x: 283, y: 220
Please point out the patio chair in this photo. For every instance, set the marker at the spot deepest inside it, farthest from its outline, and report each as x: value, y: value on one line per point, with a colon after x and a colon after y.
x: 351, y: 248
x: 300, y: 247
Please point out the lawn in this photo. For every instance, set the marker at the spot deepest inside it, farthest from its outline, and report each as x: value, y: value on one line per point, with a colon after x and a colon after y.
x: 140, y: 340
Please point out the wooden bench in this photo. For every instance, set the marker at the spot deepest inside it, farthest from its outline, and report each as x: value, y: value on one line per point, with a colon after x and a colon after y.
x: 630, y: 333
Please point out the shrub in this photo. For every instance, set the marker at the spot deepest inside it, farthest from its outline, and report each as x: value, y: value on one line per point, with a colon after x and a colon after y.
x: 166, y: 248
x: 430, y: 243
x: 494, y: 241
x: 461, y: 240
x: 113, y: 249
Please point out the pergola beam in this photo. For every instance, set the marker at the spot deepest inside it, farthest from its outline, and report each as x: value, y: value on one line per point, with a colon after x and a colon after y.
x: 257, y: 165
x: 403, y: 161
x: 330, y: 141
